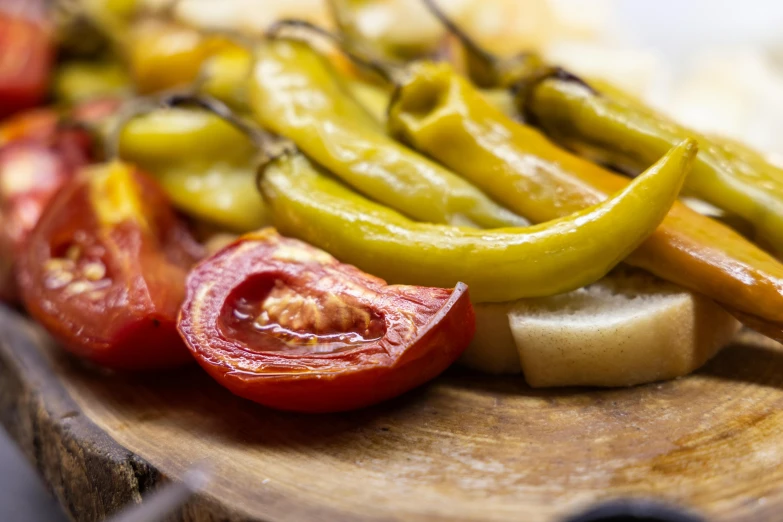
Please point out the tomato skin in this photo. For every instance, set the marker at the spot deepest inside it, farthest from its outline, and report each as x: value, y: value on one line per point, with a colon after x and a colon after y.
x: 109, y: 288
x: 30, y: 173
x: 37, y: 156
x: 419, y: 331
x: 25, y: 62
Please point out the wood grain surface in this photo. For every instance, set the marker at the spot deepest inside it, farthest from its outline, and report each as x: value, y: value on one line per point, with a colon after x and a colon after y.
x: 466, y: 447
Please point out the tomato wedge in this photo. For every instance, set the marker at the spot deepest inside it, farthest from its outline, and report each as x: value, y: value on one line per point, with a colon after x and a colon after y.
x: 30, y: 174
x: 26, y: 56
x: 284, y: 324
x: 36, y: 161
x: 104, y: 270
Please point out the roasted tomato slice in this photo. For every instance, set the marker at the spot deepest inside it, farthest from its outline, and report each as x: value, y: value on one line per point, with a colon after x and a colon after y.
x: 38, y: 160
x: 30, y: 174
x: 284, y: 324
x: 104, y: 270
x: 26, y: 55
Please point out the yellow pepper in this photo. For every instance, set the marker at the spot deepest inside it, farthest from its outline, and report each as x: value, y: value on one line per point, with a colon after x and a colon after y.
x: 498, y: 265
x: 295, y: 93
x: 79, y: 81
x: 616, y: 129
x: 206, y: 166
x: 163, y: 55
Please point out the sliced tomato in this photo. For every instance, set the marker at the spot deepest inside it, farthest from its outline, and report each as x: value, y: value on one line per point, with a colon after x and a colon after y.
x: 30, y: 174
x: 26, y: 56
x: 104, y: 269
x: 37, y: 160
x: 284, y: 324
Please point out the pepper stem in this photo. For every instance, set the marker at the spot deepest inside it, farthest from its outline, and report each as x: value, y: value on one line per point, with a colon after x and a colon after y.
x: 520, y: 74
x: 483, y: 67
x: 522, y: 89
x: 470, y: 44
x: 389, y: 72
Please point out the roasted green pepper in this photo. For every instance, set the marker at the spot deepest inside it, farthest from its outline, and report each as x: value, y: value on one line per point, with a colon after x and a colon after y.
x: 613, y: 129
x: 225, y: 76
x: 374, y: 98
x: 498, y: 265
x: 294, y: 92
x: 79, y: 81
x: 206, y: 166
x: 441, y: 114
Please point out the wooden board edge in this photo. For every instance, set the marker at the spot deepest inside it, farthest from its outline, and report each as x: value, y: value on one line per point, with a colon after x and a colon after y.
x: 90, y: 474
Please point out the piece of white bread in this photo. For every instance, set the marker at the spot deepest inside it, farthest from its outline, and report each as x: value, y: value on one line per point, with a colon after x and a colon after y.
x: 628, y: 328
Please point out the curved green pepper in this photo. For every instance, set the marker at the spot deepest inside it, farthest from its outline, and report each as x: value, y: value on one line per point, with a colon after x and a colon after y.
x: 206, y: 166
x: 295, y: 93
x: 616, y: 130
x: 498, y: 265
x: 441, y: 114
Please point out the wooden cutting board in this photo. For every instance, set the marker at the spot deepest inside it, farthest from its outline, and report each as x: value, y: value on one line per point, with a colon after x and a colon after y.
x: 466, y: 447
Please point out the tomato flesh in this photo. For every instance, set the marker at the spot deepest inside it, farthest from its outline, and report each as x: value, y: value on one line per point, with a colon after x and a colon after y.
x: 104, y: 269
x: 284, y: 324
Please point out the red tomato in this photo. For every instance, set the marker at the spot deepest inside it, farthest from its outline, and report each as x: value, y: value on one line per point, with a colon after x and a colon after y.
x: 26, y: 55
x: 104, y: 270
x: 284, y: 324
x: 37, y: 160
x: 30, y: 174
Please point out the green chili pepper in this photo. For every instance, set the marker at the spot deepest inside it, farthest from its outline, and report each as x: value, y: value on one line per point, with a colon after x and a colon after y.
x: 498, y: 265
x: 225, y: 76
x: 618, y: 131
x: 295, y: 93
x: 206, y: 166
x: 441, y: 114
x: 374, y: 98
